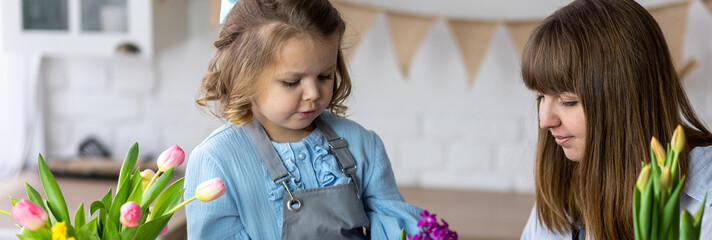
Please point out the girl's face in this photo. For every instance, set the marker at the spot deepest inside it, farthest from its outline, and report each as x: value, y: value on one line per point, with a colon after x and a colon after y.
x: 297, y: 87
x: 562, y: 114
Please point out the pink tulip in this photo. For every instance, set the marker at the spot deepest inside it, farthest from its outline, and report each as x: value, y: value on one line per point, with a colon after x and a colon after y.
x: 130, y: 214
x: 170, y: 158
x: 165, y: 229
x: 210, y: 190
x: 29, y: 215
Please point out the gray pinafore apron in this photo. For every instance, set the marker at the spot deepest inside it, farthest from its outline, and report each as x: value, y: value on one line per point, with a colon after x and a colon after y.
x: 334, y: 212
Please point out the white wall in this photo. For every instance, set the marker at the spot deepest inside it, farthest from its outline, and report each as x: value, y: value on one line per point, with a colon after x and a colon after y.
x: 438, y: 131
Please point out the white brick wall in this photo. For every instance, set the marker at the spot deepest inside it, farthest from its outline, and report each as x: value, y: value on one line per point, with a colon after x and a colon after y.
x: 438, y: 130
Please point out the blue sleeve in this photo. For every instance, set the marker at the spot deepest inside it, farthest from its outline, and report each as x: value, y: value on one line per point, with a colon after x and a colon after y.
x: 384, y: 204
x: 217, y: 219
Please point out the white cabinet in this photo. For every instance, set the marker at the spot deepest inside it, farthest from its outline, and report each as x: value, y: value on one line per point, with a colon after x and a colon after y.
x: 91, y: 27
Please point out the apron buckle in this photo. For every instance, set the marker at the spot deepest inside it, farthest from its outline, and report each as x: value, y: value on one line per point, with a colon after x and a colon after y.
x: 292, y: 200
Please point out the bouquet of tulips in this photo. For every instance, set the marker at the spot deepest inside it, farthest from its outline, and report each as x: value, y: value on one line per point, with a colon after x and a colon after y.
x: 139, y: 209
x: 430, y: 229
x: 656, y: 197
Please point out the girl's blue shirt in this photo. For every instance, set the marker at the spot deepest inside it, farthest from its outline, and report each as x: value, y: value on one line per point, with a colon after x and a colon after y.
x: 252, y: 206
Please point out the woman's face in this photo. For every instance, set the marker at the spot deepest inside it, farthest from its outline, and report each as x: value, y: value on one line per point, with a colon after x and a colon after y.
x: 562, y: 115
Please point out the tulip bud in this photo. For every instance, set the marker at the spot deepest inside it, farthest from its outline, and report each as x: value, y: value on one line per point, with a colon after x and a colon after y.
x: 666, y: 178
x: 170, y: 158
x: 678, y: 139
x: 210, y: 190
x: 643, y: 178
x: 130, y: 214
x: 659, y: 152
x: 146, y: 176
x: 29, y: 214
x: 165, y: 229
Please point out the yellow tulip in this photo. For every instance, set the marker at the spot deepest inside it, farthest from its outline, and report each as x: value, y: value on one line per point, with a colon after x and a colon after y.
x: 666, y: 179
x: 659, y: 152
x: 678, y: 139
x: 643, y: 178
x: 146, y: 176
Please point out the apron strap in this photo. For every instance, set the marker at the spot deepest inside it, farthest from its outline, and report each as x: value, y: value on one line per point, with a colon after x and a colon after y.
x: 267, y: 154
x: 338, y: 145
x: 276, y: 169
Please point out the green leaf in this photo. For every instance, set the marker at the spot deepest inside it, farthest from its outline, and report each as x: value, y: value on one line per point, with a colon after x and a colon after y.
x: 636, y: 213
x: 50, y: 215
x: 151, y: 229
x: 155, y: 189
x: 646, y: 211
x: 79, y: 216
x: 118, y: 201
x: 687, y: 231
x: 128, y: 166
x: 128, y: 233
x: 41, y: 233
x: 165, y: 200
x: 670, y: 211
x: 402, y: 236
x: 96, y: 205
x: 34, y: 196
x: 88, y: 231
x: 53, y: 193
x: 110, y: 230
x: 13, y: 200
x: 698, y: 215
x: 136, y: 187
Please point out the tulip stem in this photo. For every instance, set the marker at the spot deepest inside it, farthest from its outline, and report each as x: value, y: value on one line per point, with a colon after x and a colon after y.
x: 181, y: 205
x: 153, y: 179
x: 6, y: 212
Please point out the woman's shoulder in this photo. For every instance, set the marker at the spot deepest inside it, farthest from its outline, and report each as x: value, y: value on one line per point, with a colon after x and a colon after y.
x: 699, y: 172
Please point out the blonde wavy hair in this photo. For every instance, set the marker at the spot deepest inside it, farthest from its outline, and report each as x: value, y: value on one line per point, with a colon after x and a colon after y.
x: 253, y: 33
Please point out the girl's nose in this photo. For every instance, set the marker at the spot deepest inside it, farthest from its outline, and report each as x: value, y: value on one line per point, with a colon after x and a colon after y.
x: 311, y: 91
x: 548, y: 117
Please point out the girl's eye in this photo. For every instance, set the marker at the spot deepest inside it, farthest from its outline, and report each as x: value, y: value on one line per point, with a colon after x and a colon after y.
x: 326, y: 77
x: 539, y: 98
x: 290, y: 84
x: 569, y: 103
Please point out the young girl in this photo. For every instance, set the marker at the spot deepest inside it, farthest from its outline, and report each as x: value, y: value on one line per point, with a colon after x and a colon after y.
x: 293, y: 167
x: 606, y: 85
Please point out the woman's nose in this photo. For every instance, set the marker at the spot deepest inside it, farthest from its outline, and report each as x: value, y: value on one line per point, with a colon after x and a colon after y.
x: 548, y: 117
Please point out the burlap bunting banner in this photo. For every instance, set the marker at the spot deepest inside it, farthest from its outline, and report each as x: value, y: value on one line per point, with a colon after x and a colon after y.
x: 407, y: 32
x: 358, y: 19
x: 473, y: 39
x: 519, y: 32
x: 672, y: 19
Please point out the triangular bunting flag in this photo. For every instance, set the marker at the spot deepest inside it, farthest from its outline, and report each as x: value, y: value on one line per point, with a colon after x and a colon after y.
x: 519, y: 31
x: 473, y: 38
x: 673, y: 22
x: 708, y: 3
x: 407, y: 32
x: 358, y: 19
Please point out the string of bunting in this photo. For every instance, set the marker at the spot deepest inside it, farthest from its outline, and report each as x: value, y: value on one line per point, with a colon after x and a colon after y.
x: 473, y: 36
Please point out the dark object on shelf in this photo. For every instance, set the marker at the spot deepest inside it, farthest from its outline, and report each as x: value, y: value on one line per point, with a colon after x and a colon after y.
x: 92, y: 148
x: 93, y: 167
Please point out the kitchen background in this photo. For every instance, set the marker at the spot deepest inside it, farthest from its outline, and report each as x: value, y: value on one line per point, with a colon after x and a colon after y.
x: 442, y: 128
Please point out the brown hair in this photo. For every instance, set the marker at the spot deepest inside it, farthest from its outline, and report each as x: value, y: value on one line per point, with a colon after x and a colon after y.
x: 613, y: 56
x: 253, y: 32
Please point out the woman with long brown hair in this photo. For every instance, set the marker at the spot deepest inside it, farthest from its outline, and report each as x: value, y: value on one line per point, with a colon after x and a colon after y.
x: 605, y: 86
